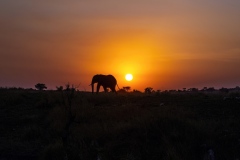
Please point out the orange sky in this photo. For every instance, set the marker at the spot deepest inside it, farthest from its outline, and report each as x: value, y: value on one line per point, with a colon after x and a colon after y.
x: 165, y: 45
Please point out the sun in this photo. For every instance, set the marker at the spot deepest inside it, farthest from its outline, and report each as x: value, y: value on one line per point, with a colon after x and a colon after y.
x: 128, y: 77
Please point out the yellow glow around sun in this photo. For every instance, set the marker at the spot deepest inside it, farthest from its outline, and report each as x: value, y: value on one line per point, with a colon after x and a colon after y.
x: 128, y: 77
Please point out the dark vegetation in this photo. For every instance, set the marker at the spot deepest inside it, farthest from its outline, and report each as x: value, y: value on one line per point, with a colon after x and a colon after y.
x: 40, y: 86
x: 68, y: 124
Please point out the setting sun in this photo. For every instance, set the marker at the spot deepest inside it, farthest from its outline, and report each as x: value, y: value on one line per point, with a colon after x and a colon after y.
x: 128, y: 77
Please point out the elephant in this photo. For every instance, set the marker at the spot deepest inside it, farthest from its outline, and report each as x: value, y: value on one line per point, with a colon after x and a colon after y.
x: 107, y: 81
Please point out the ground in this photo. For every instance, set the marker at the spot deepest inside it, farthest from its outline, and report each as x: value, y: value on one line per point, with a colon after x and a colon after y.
x: 126, y: 126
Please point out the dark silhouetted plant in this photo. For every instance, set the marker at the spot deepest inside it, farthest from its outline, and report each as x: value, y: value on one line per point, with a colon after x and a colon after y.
x: 60, y: 88
x: 148, y: 90
x: 127, y: 88
x: 40, y: 86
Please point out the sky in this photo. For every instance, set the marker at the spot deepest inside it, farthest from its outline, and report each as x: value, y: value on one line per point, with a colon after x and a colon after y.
x: 163, y: 44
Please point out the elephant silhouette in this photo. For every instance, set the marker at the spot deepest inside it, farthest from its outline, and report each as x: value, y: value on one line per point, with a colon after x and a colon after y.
x: 106, y: 81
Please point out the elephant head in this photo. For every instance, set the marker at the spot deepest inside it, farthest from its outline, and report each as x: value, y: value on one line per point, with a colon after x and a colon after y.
x: 106, y: 81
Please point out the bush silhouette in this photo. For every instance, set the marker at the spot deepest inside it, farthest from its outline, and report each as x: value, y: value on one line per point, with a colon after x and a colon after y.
x: 40, y: 86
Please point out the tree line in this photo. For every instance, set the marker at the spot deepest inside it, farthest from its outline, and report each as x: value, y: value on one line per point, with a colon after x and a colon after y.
x: 127, y: 89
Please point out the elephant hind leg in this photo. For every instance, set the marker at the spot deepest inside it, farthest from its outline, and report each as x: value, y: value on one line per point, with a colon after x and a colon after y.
x: 113, y: 89
x: 105, y: 89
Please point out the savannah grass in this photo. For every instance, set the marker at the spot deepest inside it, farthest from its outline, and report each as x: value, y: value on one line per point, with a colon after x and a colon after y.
x: 127, y: 126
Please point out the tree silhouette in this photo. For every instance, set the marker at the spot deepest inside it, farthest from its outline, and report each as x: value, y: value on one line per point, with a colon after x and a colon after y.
x: 60, y: 88
x: 211, y: 89
x: 193, y: 89
x: 237, y: 88
x: 40, y: 86
x: 204, y: 88
x: 148, y: 90
x: 226, y: 90
x: 127, y: 88
x: 136, y: 91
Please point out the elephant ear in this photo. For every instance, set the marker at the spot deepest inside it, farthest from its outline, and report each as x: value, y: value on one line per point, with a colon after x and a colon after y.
x: 96, y: 78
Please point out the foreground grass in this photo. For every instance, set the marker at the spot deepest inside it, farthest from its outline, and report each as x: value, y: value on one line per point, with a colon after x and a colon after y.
x: 119, y: 127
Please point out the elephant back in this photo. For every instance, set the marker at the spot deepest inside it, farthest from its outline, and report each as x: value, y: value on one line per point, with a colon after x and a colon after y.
x: 110, y: 79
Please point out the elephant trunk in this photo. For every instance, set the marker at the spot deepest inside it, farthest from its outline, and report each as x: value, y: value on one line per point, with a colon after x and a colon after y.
x: 92, y: 87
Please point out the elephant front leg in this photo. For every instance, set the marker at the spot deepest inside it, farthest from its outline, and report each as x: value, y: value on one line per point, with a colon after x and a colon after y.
x: 98, y: 87
x: 105, y: 89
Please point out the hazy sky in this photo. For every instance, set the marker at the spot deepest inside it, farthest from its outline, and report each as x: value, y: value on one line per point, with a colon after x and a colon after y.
x: 165, y: 45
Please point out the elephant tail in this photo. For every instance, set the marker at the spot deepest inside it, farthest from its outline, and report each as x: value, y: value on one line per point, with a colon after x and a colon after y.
x: 118, y: 87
